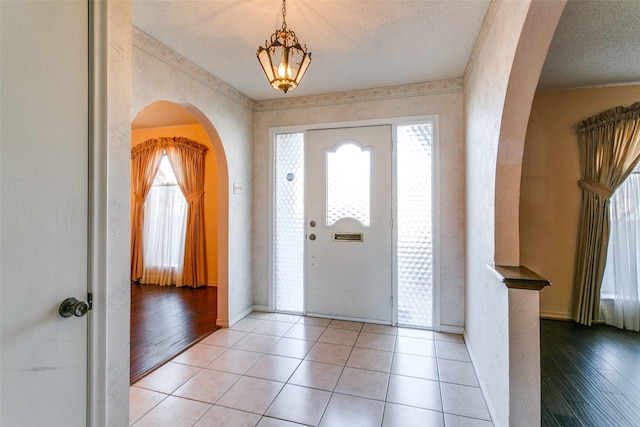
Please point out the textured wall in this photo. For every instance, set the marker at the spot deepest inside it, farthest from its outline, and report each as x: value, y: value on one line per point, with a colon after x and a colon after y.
x: 487, y: 325
x: 442, y: 98
x: 161, y: 74
x: 115, y: 296
x: 501, y: 326
x: 550, y: 197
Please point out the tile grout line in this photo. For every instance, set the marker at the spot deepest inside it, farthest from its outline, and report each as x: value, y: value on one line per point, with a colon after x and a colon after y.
x: 280, y: 336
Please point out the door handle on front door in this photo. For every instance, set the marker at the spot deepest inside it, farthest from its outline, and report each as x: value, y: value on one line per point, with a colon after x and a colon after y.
x: 72, y: 307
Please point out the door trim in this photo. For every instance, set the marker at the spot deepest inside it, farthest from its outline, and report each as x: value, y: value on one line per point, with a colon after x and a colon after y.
x: 97, y: 233
x: 394, y: 122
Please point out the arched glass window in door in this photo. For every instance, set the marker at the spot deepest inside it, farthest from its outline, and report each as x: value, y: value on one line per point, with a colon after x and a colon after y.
x: 348, y: 184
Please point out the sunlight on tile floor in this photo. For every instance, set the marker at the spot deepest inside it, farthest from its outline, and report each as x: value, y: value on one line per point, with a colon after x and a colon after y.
x: 280, y: 370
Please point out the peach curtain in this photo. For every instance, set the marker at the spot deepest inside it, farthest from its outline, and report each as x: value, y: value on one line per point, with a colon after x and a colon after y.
x: 609, y: 150
x: 187, y: 160
x: 145, y: 160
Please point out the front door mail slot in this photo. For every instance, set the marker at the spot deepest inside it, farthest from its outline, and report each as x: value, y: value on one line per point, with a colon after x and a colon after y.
x: 347, y: 237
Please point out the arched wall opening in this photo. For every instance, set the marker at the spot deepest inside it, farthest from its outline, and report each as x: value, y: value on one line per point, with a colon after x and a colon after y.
x: 500, y: 325
x: 531, y: 52
x: 522, y: 308
x: 169, y: 119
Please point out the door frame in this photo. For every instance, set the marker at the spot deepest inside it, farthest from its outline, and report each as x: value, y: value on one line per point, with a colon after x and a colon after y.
x: 97, y: 369
x: 394, y: 122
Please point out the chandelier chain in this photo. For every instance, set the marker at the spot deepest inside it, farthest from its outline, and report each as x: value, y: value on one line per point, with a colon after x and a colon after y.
x: 284, y: 14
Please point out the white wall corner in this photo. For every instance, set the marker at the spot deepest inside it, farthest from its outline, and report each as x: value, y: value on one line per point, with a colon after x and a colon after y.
x: 235, y: 319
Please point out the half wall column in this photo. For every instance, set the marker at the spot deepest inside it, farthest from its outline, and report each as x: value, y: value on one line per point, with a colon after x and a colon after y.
x: 523, y: 286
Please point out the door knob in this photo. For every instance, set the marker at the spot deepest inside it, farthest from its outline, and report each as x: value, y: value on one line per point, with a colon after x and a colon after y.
x: 72, y: 307
x: 312, y: 237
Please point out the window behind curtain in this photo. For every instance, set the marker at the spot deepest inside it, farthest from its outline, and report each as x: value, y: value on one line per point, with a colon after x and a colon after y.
x: 620, y: 304
x: 165, y: 221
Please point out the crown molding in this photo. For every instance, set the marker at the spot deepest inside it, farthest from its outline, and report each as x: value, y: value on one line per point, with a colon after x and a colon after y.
x: 155, y: 48
x: 482, y: 37
x: 366, y: 95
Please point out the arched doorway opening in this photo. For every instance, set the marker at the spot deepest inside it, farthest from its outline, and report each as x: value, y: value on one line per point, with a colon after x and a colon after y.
x: 202, y: 312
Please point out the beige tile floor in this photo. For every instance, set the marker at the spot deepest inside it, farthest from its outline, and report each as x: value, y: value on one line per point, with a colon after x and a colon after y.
x: 278, y: 370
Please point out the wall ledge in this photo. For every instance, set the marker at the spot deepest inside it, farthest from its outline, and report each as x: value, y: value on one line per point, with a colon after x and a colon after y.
x: 519, y: 277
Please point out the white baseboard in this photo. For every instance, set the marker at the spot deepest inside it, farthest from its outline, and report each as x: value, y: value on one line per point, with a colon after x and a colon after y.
x: 483, y: 384
x: 555, y: 315
x: 459, y: 330
x: 264, y: 308
x: 235, y: 319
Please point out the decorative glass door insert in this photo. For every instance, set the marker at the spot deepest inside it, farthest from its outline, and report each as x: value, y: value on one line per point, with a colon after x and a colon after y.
x: 349, y: 184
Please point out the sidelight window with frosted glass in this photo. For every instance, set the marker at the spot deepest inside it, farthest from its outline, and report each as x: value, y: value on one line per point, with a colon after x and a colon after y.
x: 414, y: 224
x: 289, y: 222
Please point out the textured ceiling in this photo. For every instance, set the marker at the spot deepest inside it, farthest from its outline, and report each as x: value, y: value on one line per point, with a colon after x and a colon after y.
x: 362, y: 44
x: 355, y: 44
x: 596, y: 43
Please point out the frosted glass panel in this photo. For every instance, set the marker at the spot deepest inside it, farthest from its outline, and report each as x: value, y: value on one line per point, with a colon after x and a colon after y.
x: 289, y: 222
x: 414, y: 207
x: 348, y: 184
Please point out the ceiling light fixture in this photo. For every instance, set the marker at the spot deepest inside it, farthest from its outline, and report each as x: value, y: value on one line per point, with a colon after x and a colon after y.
x: 291, y: 58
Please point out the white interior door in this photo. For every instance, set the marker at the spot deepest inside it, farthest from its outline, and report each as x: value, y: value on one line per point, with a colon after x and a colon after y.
x: 43, y: 211
x: 348, y: 223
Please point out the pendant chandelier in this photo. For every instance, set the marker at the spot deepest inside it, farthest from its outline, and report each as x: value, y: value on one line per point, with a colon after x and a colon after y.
x: 283, y: 60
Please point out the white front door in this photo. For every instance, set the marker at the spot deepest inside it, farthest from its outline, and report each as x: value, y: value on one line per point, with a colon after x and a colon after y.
x: 348, y: 223
x: 43, y: 211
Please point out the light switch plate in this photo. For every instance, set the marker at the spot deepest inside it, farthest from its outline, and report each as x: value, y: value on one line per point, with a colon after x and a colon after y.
x: 237, y: 188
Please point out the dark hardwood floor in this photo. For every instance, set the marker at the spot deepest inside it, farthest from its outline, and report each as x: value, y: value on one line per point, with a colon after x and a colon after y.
x: 590, y: 375
x: 165, y: 321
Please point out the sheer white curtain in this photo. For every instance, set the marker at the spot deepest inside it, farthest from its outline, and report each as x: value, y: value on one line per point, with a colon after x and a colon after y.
x: 164, y: 231
x: 619, y: 305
